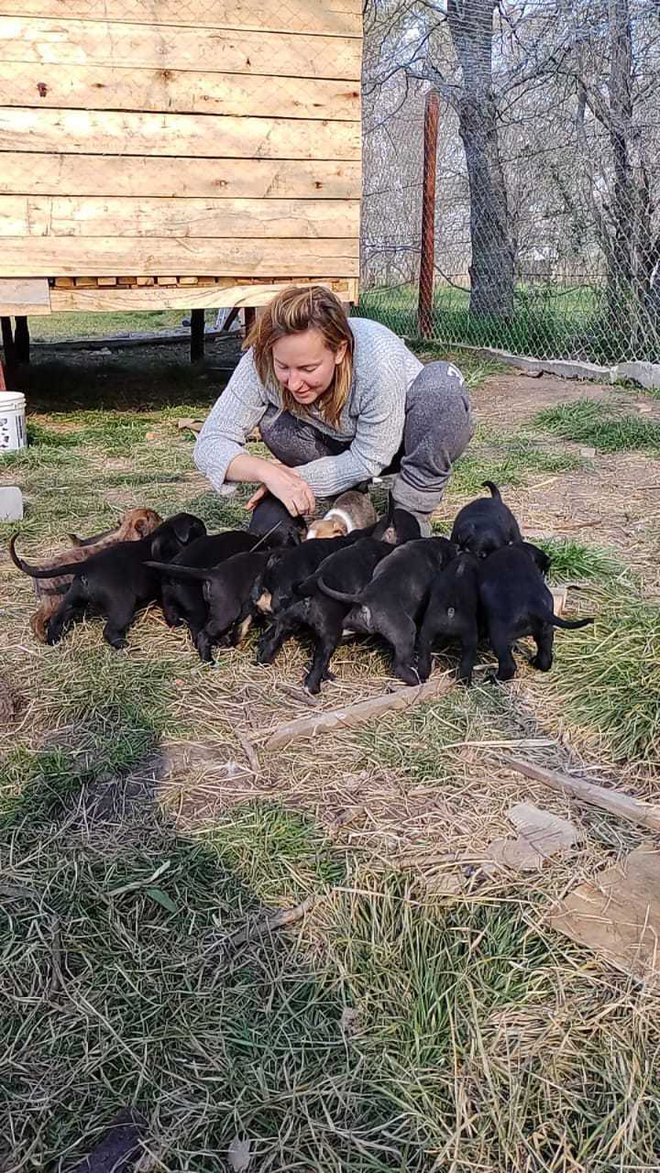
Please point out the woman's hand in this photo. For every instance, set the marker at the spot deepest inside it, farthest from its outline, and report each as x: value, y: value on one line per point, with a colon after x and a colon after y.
x: 289, y: 488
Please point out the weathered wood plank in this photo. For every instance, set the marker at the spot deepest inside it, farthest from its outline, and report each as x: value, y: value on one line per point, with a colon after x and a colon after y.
x: 94, y: 87
x: 335, y: 17
x: 182, y: 298
x: 110, y: 132
x: 50, y: 256
x: 24, y: 296
x: 140, y: 46
x: 117, y: 216
x: 27, y: 173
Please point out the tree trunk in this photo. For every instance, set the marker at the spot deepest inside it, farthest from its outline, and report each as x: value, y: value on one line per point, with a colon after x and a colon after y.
x: 621, y: 258
x: 492, y: 268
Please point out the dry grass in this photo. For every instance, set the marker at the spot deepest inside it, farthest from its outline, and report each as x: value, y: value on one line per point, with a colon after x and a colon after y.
x: 421, y: 1016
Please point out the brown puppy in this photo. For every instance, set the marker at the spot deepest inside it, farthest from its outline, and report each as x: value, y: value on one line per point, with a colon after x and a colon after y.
x: 134, y: 525
x: 351, y: 511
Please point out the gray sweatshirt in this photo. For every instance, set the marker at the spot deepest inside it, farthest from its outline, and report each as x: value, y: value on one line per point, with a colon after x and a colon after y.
x: 371, y: 420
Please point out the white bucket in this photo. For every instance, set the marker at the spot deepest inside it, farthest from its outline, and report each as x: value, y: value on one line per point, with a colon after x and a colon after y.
x: 12, y: 421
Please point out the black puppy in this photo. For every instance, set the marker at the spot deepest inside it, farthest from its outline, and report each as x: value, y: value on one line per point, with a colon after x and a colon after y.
x: 227, y: 591
x: 485, y: 525
x: 270, y: 517
x: 183, y: 600
x: 396, y: 526
x: 516, y: 602
x: 350, y: 568
x: 286, y: 570
x: 390, y: 606
x: 118, y: 580
x: 452, y: 614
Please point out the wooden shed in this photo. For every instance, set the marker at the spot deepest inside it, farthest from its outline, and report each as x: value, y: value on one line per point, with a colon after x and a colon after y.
x: 161, y: 154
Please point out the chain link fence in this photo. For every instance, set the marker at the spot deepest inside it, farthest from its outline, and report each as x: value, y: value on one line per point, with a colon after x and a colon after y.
x: 546, y: 216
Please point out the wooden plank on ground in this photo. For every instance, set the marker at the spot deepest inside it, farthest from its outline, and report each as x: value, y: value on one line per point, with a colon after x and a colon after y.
x: 26, y: 173
x: 140, y: 46
x: 52, y: 256
x: 94, y: 87
x: 328, y: 720
x: 617, y: 915
x: 156, y: 297
x: 333, y: 17
x: 119, y: 216
x: 616, y: 802
x: 24, y: 295
x: 132, y: 133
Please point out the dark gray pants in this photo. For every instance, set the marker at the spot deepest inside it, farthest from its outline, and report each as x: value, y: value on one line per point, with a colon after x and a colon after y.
x: 437, y: 429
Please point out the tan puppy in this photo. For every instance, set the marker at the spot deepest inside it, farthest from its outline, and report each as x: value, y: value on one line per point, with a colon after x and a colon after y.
x: 350, y: 511
x: 134, y: 525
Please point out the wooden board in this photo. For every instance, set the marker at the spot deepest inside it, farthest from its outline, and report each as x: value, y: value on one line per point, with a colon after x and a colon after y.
x: 334, y: 17
x: 179, y: 298
x: 94, y: 87
x: 116, y: 216
x: 97, y: 175
x: 133, y: 133
x: 140, y: 46
x: 63, y: 256
x: 24, y: 296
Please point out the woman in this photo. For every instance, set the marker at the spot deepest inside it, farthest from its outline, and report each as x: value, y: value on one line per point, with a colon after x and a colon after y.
x: 337, y: 402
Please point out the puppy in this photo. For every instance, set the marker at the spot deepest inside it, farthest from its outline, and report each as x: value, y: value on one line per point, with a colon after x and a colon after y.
x: 134, y: 525
x: 182, y: 600
x: 390, y: 606
x: 397, y: 526
x: 272, y: 519
x: 351, y: 567
x: 117, y: 580
x: 286, y: 569
x: 485, y: 524
x: 452, y: 613
x: 516, y: 602
x: 228, y: 592
x: 351, y: 511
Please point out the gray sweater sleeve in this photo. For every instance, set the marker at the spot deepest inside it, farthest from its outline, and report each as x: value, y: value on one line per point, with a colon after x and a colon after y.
x: 230, y: 421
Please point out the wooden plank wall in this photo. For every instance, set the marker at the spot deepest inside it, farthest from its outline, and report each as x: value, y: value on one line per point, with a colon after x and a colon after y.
x: 180, y: 137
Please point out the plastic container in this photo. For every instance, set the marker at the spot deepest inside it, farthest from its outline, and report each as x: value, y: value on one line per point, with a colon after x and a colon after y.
x: 12, y: 421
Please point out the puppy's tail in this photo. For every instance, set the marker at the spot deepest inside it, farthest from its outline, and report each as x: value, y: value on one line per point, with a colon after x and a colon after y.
x: 180, y: 571
x: 306, y: 588
x: 40, y: 571
x: 493, y: 489
x: 340, y: 596
x: 570, y: 624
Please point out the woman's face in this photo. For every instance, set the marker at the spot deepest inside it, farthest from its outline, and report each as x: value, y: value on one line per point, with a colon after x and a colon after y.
x: 305, y: 365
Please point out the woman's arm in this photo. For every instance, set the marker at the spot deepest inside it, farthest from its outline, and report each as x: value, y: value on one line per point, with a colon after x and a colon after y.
x: 284, y: 483
x: 229, y: 423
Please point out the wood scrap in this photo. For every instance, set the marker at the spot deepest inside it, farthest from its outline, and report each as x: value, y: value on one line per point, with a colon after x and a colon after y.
x: 616, y: 802
x: 541, y: 834
x: 617, y: 915
x: 187, y: 424
x: 265, y: 925
x: 560, y: 599
x: 357, y: 714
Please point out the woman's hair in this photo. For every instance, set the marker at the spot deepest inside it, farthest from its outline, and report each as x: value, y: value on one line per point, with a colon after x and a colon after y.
x: 292, y: 311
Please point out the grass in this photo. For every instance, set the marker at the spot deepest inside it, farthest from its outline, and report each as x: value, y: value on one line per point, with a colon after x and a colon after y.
x: 508, y: 460
x: 605, y: 426
x: 394, y: 1028
x: 609, y: 677
x: 548, y: 321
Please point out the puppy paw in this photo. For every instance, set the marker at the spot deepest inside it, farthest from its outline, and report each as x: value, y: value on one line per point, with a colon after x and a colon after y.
x: 541, y: 663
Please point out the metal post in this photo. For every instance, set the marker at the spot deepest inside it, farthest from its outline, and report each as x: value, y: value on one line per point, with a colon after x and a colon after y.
x: 9, y: 349
x: 22, y: 339
x: 427, y: 253
x: 196, y: 335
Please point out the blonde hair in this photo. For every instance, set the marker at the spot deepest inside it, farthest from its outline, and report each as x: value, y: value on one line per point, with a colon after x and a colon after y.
x: 293, y: 311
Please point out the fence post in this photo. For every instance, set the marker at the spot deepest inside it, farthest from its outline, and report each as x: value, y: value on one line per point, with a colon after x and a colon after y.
x: 427, y: 253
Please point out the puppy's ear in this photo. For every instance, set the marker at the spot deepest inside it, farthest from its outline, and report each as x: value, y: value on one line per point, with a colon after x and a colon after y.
x: 142, y: 527
x: 187, y: 527
x: 164, y: 546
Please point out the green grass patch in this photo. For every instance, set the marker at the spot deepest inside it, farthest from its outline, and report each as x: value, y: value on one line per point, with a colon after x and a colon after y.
x: 604, y: 426
x: 506, y: 460
x: 574, y: 561
x: 609, y: 676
